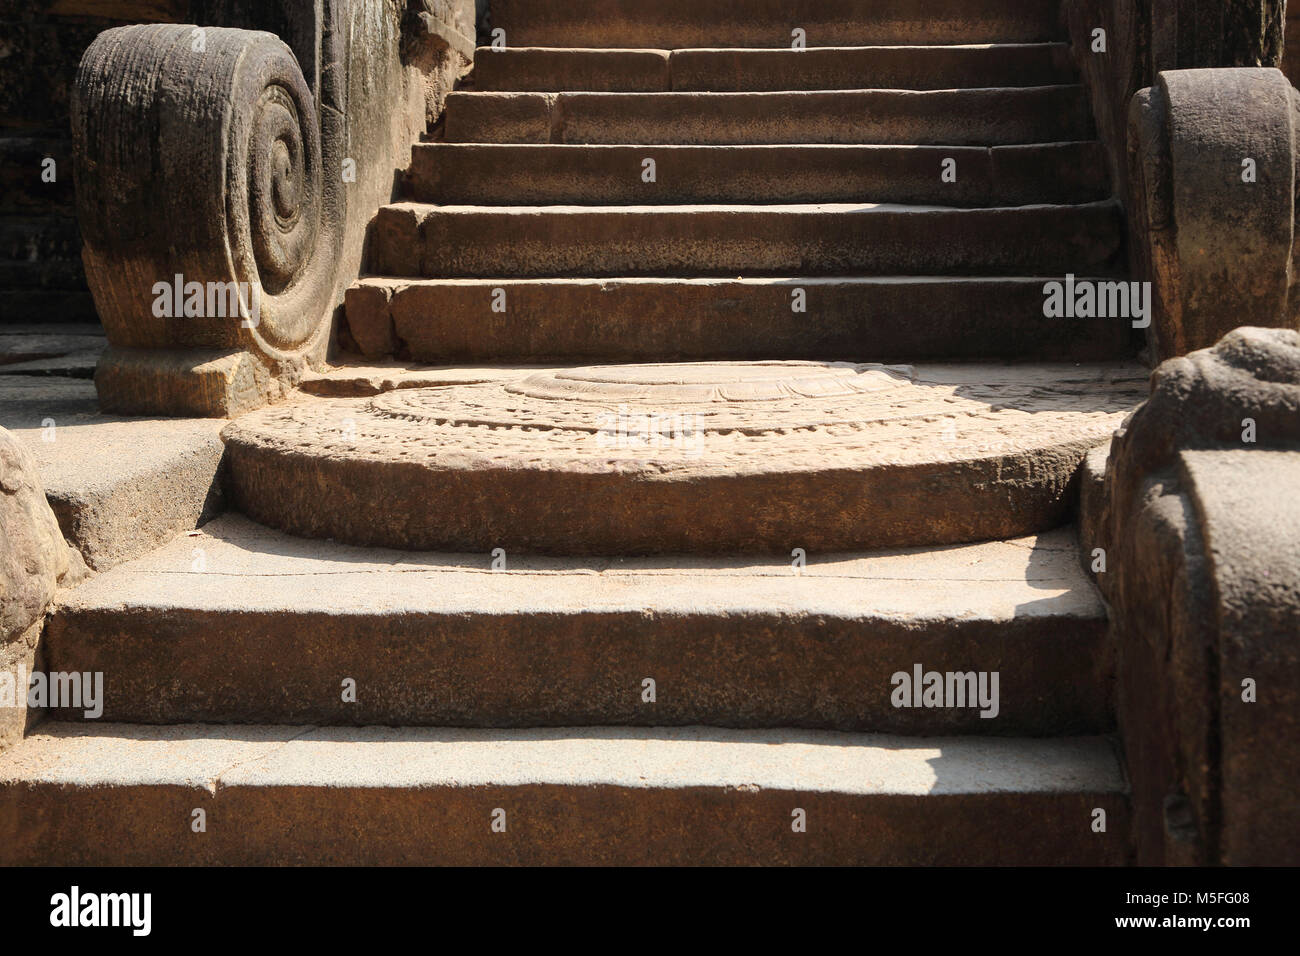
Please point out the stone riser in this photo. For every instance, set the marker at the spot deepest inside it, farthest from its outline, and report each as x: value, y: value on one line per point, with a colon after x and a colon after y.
x: 598, y: 175
x: 767, y: 670
x: 636, y: 320
x: 29, y: 244
x: 994, y: 117
x: 440, y: 640
x: 678, y: 24
x: 572, y: 512
x: 547, y: 70
x: 410, y: 239
x: 308, y: 796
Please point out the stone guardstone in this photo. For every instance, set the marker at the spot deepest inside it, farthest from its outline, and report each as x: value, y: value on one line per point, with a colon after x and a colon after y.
x: 33, y: 560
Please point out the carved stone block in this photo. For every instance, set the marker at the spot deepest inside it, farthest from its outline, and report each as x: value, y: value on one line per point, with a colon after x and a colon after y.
x: 1201, y: 533
x: 1212, y: 159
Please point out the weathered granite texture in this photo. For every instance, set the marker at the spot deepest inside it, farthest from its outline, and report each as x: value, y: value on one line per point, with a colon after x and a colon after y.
x: 1145, y: 37
x: 252, y: 156
x: 709, y: 457
x: 34, y: 556
x: 1212, y: 159
x: 33, y: 561
x: 207, y: 165
x: 41, y: 42
x: 1202, y: 538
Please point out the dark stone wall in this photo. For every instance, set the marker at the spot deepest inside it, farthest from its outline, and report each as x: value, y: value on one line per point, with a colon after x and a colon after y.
x: 41, y: 42
x: 1144, y: 37
x: 1291, y: 56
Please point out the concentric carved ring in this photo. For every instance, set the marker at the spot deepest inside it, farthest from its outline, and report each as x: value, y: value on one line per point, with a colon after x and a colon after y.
x: 278, y: 228
x: 284, y: 189
x: 711, y: 456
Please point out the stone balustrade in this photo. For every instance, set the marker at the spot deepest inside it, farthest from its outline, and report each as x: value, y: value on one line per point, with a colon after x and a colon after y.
x: 225, y: 178
x: 1196, y: 523
x: 1212, y: 211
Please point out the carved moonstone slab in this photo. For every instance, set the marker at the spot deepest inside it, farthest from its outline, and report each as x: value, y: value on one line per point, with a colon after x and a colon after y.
x: 697, y: 457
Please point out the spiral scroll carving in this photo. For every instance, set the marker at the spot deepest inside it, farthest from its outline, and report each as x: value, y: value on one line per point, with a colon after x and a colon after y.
x: 279, y: 229
x: 200, y: 154
x: 284, y: 190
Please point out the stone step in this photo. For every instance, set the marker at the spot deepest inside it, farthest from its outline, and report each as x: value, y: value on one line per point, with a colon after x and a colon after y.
x: 548, y: 70
x: 120, y: 487
x: 418, y: 240
x: 986, y: 117
x: 56, y: 350
x: 740, y: 458
x: 240, y: 623
x: 120, y: 794
x: 678, y: 24
x: 504, y: 174
x: 576, y: 321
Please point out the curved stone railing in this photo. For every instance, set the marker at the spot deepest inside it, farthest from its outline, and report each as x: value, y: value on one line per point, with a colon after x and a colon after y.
x: 207, y: 220
x: 225, y: 179
x: 1195, y: 538
x: 1183, y: 93
x: 1212, y: 211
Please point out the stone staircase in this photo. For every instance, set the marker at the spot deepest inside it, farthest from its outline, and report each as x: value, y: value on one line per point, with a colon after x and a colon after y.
x: 732, y: 448
x: 762, y: 160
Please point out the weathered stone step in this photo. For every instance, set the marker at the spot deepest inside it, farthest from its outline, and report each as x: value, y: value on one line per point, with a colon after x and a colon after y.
x: 741, y: 458
x: 548, y: 70
x: 609, y: 175
x: 677, y: 24
x: 417, y: 240
x: 124, y: 794
x: 887, y: 319
x: 988, y: 117
x: 264, y: 628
